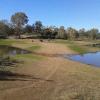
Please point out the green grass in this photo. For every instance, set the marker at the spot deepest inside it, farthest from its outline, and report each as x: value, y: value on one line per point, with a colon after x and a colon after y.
x: 33, y: 48
x: 82, y: 48
x: 23, y: 57
x: 30, y: 57
x: 10, y: 41
x: 77, y: 48
x: 73, y: 46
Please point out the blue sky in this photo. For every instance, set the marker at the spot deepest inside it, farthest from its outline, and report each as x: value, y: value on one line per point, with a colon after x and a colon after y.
x: 74, y: 13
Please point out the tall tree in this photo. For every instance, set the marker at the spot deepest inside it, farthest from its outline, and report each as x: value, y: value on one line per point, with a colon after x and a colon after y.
x: 55, y: 32
x: 72, y: 33
x: 19, y: 19
x: 61, y: 32
x: 82, y: 33
x: 47, y: 33
x: 28, y: 29
x: 4, y: 29
x: 38, y: 27
x: 93, y: 33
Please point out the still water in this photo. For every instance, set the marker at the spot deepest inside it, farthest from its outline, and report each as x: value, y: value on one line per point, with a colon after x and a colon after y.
x: 88, y: 58
x: 11, y: 51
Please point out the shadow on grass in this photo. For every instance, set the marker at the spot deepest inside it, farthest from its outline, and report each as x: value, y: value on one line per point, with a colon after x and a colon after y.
x: 10, y: 76
x: 6, y: 75
x: 8, y: 62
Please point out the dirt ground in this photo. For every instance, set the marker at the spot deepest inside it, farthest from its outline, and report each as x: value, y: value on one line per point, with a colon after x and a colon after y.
x: 53, y: 78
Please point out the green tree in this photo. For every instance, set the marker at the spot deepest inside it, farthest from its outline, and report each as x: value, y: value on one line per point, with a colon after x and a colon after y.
x: 4, y: 29
x: 47, y: 33
x: 19, y: 19
x: 61, y: 32
x: 82, y: 33
x: 93, y: 33
x: 38, y: 27
x: 72, y: 33
x: 55, y: 32
x: 28, y: 29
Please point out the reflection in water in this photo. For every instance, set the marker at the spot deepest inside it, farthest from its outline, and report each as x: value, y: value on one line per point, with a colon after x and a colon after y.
x: 8, y: 50
x: 89, y: 58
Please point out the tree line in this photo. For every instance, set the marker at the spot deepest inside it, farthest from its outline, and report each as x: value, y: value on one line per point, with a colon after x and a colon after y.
x: 19, y: 26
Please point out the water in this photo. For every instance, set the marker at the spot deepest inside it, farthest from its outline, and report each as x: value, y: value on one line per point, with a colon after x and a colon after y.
x: 89, y: 58
x: 11, y: 51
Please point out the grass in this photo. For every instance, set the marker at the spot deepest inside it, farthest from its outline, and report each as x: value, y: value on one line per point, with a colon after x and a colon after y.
x: 78, y: 46
x: 81, y: 80
x: 83, y: 94
x: 34, y: 48
x: 22, y: 58
x: 29, y: 57
x: 73, y: 46
x: 10, y: 41
x: 62, y: 41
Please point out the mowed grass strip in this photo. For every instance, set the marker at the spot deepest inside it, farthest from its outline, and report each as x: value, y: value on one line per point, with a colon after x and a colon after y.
x: 79, y: 47
x: 29, y: 57
x: 34, y: 48
x: 73, y: 46
x: 10, y: 41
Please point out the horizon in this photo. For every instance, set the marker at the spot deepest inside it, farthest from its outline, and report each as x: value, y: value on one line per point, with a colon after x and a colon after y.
x: 74, y: 13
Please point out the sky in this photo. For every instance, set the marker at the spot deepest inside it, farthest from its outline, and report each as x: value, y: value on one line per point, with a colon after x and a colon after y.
x: 68, y: 13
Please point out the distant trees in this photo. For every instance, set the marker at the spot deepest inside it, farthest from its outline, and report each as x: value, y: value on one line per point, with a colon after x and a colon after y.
x: 72, y: 33
x: 38, y: 26
x: 55, y: 32
x: 47, y: 33
x: 93, y: 33
x: 4, y: 29
x: 61, y: 33
x: 18, y: 20
x: 28, y: 29
x: 89, y: 34
x: 19, y: 24
x: 82, y: 33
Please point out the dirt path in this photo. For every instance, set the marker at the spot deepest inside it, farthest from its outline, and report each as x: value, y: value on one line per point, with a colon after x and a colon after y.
x: 54, y: 78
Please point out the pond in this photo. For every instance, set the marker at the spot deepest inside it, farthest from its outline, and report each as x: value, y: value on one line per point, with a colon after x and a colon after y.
x: 88, y: 58
x: 11, y: 51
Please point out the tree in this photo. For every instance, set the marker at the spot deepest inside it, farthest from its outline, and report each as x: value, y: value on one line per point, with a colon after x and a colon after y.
x: 19, y: 19
x: 81, y: 33
x: 38, y: 27
x: 72, y: 33
x: 55, y: 32
x: 61, y: 32
x: 93, y: 33
x: 47, y: 33
x: 4, y: 29
x: 28, y: 29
